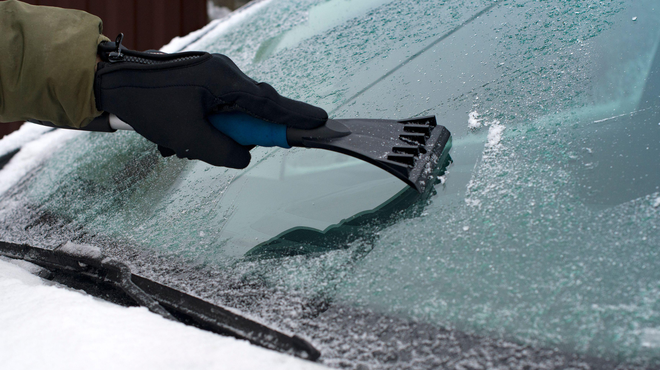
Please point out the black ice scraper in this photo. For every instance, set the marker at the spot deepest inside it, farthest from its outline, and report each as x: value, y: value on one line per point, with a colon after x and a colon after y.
x: 409, y: 149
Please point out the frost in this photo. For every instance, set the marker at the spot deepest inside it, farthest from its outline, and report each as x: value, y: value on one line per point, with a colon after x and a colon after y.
x: 472, y: 202
x: 32, y: 153
x: 650, y: 338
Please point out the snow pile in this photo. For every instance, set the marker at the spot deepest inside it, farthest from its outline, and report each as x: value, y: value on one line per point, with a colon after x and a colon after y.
x: 495, y: 129
x: 48, y: 327
x: 495, y: 134
x: 32, y: 153
x: 27, y: 133
x: 82, y: 250
x: 29, y: 267
x: 473, y: 121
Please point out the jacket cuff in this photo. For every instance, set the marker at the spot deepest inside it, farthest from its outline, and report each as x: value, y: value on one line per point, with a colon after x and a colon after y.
x: 47, y: 62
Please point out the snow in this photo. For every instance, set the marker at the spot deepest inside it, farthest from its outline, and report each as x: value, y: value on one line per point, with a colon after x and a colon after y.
x: 27, y: 133
x: 495, y: 134
x: 473, y: 121
x: 29, y: 267
x: 179, y: 43
x: 82, y: 250
x: 215, y: 11
x: 45, y: 326
x: 214, y: 29
x: 32, y: 152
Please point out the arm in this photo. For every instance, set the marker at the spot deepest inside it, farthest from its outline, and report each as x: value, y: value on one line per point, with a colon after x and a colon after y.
x: 47, y: 64
x: 49, y: 71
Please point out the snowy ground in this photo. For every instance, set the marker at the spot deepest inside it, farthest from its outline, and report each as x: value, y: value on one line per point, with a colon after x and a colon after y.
x: 44, y: 326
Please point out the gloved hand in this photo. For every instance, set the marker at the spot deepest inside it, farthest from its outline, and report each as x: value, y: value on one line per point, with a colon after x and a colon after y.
x: 167, y: 97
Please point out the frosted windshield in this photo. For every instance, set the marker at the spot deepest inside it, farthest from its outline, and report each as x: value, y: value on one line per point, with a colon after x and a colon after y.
x: 544, y: 230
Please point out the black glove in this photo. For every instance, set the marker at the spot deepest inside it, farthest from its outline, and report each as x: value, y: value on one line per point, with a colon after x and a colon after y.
x: 167, y: 97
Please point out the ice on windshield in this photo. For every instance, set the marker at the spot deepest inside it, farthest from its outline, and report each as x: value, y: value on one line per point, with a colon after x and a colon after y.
x: 320, y: 18
x: 543, y: 232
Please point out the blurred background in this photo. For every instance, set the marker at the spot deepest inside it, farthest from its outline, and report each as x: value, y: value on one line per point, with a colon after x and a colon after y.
x: 147, y: 24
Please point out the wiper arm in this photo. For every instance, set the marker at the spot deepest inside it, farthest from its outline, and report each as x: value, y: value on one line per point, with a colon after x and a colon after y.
x: 87, y: 261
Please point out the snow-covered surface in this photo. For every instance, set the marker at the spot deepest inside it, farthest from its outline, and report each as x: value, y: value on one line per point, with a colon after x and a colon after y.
x: 27, y: 133
x: 81, y: 250
x: 49, y: 327
x: 28, y: 266
x: 213, y: 29
x: 215, y: 11
x: 35, y: 145
x: 179, y: 43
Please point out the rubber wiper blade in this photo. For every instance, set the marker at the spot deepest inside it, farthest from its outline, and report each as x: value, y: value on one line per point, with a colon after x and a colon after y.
x: 160, y: 299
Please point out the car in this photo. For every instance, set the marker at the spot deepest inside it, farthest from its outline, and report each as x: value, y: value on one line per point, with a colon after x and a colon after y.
x: 537, y: 246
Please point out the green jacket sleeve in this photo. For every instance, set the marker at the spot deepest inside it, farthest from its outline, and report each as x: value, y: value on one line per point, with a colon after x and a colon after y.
x: 47, y: 61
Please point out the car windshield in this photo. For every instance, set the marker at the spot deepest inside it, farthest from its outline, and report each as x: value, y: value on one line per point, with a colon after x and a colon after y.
x: 539, y: 243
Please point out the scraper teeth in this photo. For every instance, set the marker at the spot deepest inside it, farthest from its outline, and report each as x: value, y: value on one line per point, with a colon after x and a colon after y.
x: 420, y: 129
x: 413, y: 137
x: 408, y: 149
x: 407, y: 159
x: 406, y: 154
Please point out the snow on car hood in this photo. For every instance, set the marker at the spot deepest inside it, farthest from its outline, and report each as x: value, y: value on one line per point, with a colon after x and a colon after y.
x: 49, y: 326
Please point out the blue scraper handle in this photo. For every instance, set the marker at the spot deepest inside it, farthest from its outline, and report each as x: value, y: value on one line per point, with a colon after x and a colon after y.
x: 248, y: 130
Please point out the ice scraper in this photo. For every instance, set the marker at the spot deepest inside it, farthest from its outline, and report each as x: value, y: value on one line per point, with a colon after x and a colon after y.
x: 409, y: 149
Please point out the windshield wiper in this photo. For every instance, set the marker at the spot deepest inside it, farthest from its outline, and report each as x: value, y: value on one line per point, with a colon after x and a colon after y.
x: 81, y: 261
